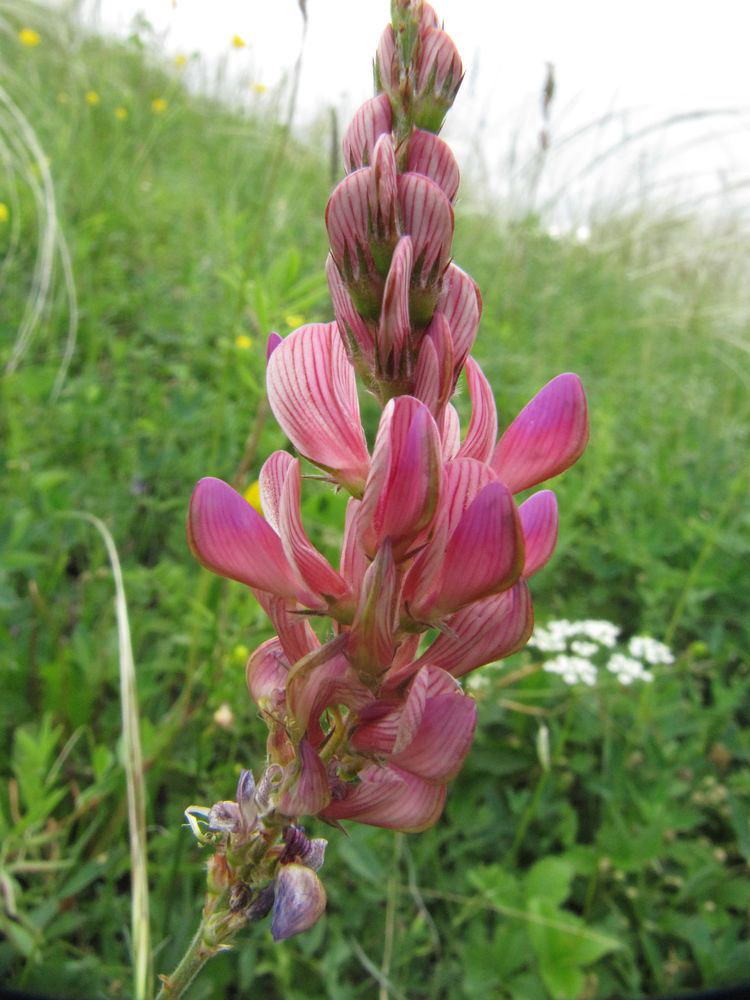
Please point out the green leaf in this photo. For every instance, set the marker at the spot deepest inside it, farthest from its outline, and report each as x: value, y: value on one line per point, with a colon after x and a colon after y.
x: 550, y: 879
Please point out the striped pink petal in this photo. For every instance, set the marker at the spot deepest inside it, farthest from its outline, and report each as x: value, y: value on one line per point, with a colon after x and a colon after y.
x: 485, y: 552
x: 547, y: 436
x: 403, y: 486
x: 230, y: 538
x: 388, y: 797
x: 440, y: 70
x: 358, y: 335
x: 373, y: 631
x: 427, y: 217
x: 348, y: 219
x: 295, y: 634
x: 432, y: 157
x: 483, y: 632
x: 313, y: 394
x: 450, y: 432
x: 395, y: 325
x: 313, y: 567
x: 386, y: 65
x: 539, y: 523
x: 354, y: 562
x: 271, y: 481
x: 433, y: 378
x: 321, y: 679
x: 369, y: 122
x: 266, y: 672
x: 481, y: 436
x: 461, y: 304
x: 306, y: 790
x: 384, y: 189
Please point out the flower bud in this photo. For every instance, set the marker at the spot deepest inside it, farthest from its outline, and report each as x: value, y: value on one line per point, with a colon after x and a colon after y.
x: 439, y: 75
x: 299, y: 902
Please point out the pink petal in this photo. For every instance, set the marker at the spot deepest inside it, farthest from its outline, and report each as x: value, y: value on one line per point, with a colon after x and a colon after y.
x: 386, y: 67
x: 357, y: 334
x: 368, y: 123
x: 274, y: 339
x: 384, y: 189
x: 322, y: 679
x: 354, y: 562
x: 547, y: 436
x: 395, y: 326
x: 440, y: 66
x: 450, y: 432
x: 314, y: 569
x: 348, y: 216
x: 461, y: 304
x: 313, y: 394
x: 483, y: 632
x: 427, y: 217
x: 479, y: 442
x: 377, y: 728
x: 432, y: 157
x: 373, y: 631
x: 438, y: 748
x: 271, y: 480
x: 266, y: 672
x: 427, y: 376
x: 402, y: 489
x: 539, y: 523
x: 390, y: 798
x: 485, y: 552
x: 306, y: 790
x: 440, y: 385
x: 295, y: 634
x: 230, y: 538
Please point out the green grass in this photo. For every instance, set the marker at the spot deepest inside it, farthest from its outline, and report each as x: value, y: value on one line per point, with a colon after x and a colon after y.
x: 187, y: 229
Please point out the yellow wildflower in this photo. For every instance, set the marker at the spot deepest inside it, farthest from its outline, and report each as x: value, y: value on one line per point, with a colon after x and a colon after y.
x: 121, y: 114
x: 92, y: 98
x: 252, y: 495
x: 159, y: 105
x: 243, y: 341
x: 238, y: 42
x: 29, y: 37
x: 4, y: 213
x: 293, y: 320
x: 260, y: 88
x: 180, y: 60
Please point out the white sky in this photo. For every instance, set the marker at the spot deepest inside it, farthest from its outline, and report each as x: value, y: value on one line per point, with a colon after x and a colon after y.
x: 638, y: 62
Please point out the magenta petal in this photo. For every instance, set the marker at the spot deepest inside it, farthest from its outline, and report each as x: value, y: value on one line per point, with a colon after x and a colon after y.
x: 430, y: 156
x: 427, y: 217
x: 427, y: 376
x: 539, y: 523
x: 306, y: 791
x: 479, y: 442
x: 313, y: 395
x: 315, y: 570
x: 402, y: 490
x: 367, y: 125
x: 547, y: 436
x: 295, y: 634
x: 483, y: 632
x: 388, y: 797
x: 354, y: 562
x: 266, y: 672
x: 461, y: 304
x: 373, y: 631
x: 274, y: 339
x: 230, y: 538
x: 395, y: 325
x: 377, y: 729
x: 271, y: 481
x: 485, y: 553
x: 299, y: 901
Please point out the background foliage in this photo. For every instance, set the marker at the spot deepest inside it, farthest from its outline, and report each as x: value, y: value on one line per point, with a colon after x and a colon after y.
x: 193, y: 228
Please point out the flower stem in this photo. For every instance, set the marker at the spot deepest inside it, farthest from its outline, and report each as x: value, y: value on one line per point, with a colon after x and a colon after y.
x: 191, y: 963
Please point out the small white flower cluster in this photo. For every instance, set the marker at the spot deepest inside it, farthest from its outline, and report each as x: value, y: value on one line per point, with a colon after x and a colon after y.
x: 583, y: 646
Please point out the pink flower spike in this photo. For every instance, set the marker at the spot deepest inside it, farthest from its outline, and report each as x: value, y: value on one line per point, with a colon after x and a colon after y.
x: 402, y: 490
x: 432, y: 157
x: 306, y: 790
x: 480, y: 438
x: 395, y: 325
x: 483, y: 632
x: 428, y: 218
x: 539, y: 521
x: 266, y: 673
x: 230, y: 538
x: 388, y: 797
x: 368, y: 124
x: 547, y: 436
x: 271, y: 480
x: 313, y: 394
x: 484, y: 554
x: 314, y: 569
x: 461, y: 304
x: 274, y: 339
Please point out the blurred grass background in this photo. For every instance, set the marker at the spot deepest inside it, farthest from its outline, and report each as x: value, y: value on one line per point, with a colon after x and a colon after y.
x: 151, y: 237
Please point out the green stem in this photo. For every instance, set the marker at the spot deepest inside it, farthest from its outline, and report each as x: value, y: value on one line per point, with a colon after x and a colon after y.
x: 191, y: 963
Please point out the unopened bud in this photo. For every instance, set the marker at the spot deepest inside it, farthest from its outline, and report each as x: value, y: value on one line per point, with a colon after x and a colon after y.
x: 300, y: 900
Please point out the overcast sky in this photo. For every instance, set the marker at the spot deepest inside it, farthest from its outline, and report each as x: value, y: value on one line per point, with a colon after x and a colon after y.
x: 635, y: 63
